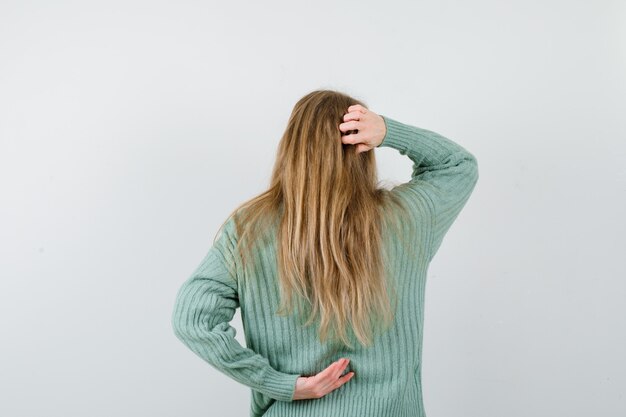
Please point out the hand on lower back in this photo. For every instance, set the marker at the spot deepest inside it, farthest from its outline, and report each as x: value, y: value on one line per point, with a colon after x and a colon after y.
x: 324, y: 382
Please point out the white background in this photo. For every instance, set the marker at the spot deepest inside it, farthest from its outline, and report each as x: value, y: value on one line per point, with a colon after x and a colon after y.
x: 130, y: 129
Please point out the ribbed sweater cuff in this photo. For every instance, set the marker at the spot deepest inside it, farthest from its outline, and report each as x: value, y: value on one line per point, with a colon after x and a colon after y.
x: 399, y: 135
x: 280, y: 385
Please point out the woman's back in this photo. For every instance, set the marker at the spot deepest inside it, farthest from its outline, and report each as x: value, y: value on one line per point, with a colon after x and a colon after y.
x: 387, y: 380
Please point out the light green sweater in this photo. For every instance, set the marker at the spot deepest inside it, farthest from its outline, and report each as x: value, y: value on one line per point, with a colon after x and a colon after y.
x: 387, y: 380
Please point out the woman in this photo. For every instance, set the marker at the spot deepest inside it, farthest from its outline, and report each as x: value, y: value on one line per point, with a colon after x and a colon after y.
x: 328, y: 269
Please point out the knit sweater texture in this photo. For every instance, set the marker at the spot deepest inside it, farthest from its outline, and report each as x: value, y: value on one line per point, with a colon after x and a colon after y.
x: 387, y: 380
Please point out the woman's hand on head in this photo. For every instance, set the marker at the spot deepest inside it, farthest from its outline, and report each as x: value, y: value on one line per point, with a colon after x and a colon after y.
x: 370, y: 127
x: 324, y: 382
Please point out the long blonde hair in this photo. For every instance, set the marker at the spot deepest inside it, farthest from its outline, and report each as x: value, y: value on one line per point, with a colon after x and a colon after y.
x: 327, y: 209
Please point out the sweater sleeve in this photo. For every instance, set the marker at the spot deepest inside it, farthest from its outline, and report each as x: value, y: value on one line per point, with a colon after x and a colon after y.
x: 204, y: 306
x: 443, y: 177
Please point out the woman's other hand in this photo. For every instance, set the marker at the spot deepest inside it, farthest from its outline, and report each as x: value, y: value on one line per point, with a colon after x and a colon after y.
x: 324, y: 382
x: 370, y: 127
